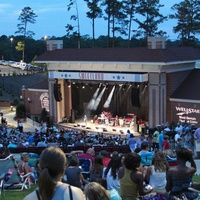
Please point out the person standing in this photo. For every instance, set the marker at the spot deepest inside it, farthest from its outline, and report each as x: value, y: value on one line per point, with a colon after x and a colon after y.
x: 132, y: 142
x: 85, y: 119
x: 161, y: 139
x: 155, y: 139
x: 197, y: 141
x: 20, y: 126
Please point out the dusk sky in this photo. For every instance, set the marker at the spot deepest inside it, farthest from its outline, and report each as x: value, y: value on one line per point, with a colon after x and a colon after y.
x: 53, y: 17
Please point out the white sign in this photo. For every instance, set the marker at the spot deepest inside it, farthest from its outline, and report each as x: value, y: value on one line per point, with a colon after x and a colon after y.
x: 116, y: 77
x: 183, y: 112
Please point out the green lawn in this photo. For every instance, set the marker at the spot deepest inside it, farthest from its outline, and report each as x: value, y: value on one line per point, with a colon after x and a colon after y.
x: 19, y: 195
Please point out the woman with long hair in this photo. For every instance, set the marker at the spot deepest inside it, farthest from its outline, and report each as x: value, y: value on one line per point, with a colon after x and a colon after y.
x: 52, y: 165
x: 179, y: 178
x: 96, y: 170
x: 111, y: 173
x: 156, y: 172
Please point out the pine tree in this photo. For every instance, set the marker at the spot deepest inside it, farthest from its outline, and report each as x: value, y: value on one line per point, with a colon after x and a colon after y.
x: 26, y: 16
x: 188, y: 15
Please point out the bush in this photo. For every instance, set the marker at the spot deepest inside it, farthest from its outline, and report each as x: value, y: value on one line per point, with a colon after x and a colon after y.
x: 20, y: 111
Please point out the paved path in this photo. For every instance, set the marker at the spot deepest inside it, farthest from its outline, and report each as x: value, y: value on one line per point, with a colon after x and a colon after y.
x: 27, y: 126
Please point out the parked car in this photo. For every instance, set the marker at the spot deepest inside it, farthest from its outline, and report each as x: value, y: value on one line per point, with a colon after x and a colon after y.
x: 3, y: 62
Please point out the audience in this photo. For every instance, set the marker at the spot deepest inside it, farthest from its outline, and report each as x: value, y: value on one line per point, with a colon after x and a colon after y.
x: 132, y: 142
x: 89, y: 154
x: 131, y: 180
x: 96, y: 170
x: 24, y: 167
x: 146, y: 155
x: 156, y: 172
x: 179, y: 177
x: 111, y: 173
x: 106, y: 157
x: 73, y: 173
x: 49, y: 183
x: 94, y: 191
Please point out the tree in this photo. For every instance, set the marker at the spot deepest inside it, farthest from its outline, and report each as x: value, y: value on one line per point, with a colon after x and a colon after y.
x: 95, y: 11
x: 115, y: 18
x: 188, y: 16
x: 26, y: 16
x: 129, y: 8
x: 69, y: 27
x: 20, y: 111
x: 149, y: 10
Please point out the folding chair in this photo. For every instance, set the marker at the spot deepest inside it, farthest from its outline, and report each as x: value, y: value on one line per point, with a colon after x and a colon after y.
x: 13, y: 180
x: 85, y: 165
x: 2, y: 182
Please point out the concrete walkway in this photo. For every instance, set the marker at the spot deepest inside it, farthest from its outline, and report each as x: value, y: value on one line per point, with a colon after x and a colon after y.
x: 28, y: 126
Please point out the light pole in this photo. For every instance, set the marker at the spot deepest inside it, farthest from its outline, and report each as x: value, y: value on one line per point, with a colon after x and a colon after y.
x: 45, y: 42
x: 11, y: 40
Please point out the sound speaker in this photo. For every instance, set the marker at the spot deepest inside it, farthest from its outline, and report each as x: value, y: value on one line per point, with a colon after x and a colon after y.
x: 72, y: 116
x: 57, y: 92
x: 135, y: 97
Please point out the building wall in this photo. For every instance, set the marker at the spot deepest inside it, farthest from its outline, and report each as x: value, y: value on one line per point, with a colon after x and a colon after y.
x: 173, y: 82
x: 32, y: 102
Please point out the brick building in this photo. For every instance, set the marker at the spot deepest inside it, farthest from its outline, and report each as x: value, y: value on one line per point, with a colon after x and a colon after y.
x: 147, y: 76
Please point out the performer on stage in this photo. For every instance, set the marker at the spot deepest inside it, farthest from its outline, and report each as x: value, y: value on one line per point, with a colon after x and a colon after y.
x: 85, y: 119
x: 95, y: 120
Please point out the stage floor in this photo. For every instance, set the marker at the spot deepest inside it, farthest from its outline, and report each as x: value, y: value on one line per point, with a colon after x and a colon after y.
x: 100, y: 128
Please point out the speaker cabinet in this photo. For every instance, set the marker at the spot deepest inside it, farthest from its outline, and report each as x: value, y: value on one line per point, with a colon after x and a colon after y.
x: 57, y: 92
x: 135, y: 97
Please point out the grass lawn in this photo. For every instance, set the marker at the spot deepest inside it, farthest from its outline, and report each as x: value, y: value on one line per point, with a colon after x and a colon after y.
x: 19, y: 195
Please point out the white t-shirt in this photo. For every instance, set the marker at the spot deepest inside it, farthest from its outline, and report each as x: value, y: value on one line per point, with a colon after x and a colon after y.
x: 111, y: 182
x: 157, y: 179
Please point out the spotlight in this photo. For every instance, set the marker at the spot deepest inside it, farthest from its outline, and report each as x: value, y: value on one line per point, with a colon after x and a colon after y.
x: 83, y: 86
x: 69, y: 84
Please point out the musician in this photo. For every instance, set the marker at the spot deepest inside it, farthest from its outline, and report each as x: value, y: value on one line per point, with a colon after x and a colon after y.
x: 116, y: 120
x: 95, y: 120
x: 107, y: 121
x: 85, y: 119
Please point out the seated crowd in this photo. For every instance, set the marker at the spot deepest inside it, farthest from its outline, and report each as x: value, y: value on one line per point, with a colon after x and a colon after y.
x: 123, y: 177
x: 143, y: 171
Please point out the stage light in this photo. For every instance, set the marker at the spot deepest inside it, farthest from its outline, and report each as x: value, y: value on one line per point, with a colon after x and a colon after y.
x: 83, y: 86
x: 68, y: 84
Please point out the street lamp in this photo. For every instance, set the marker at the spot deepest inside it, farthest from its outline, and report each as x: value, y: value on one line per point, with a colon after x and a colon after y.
x: 45, y: 42
x: 11, y: 40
